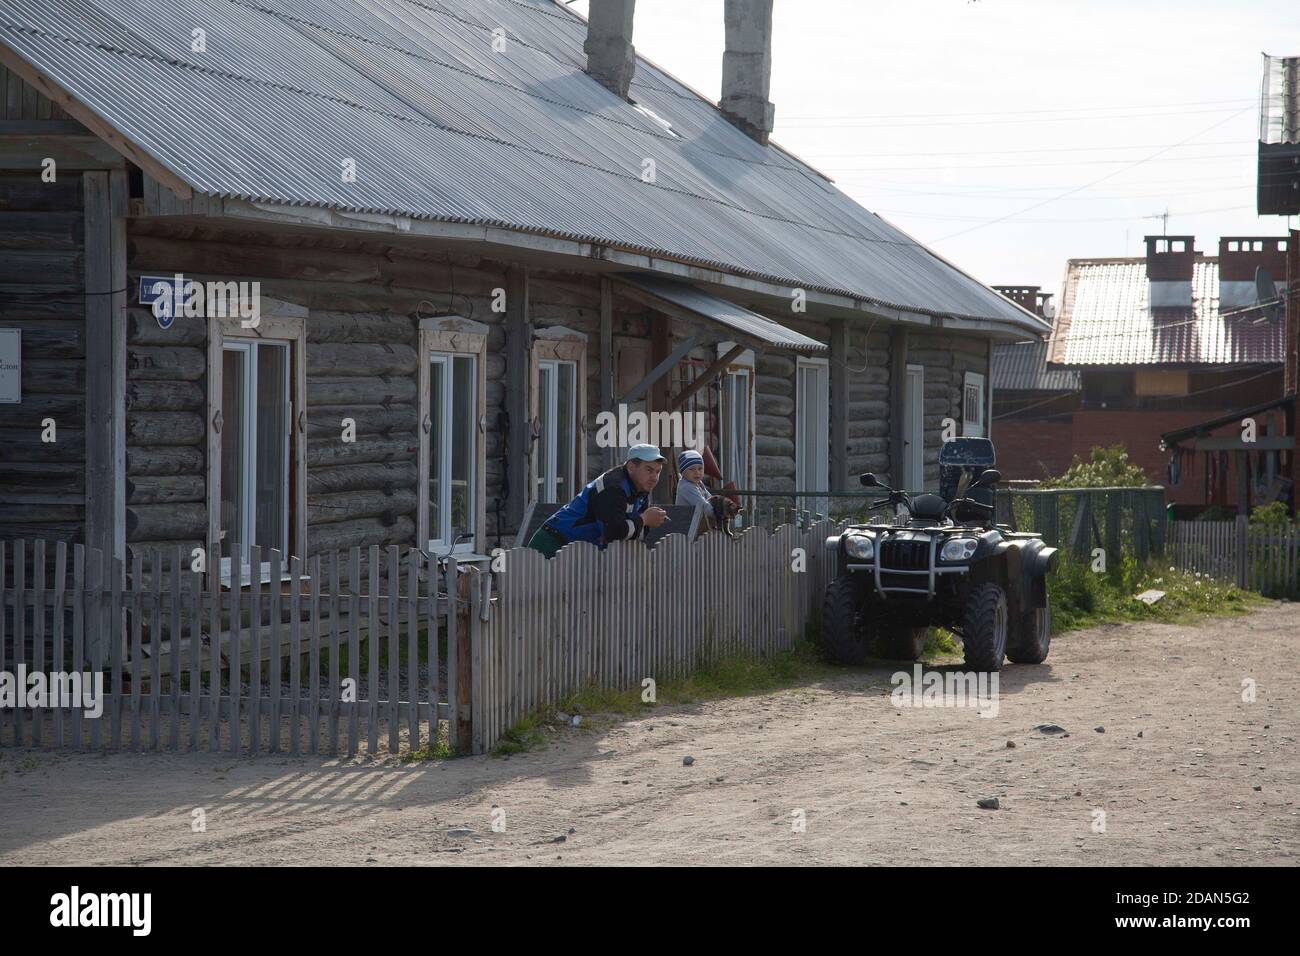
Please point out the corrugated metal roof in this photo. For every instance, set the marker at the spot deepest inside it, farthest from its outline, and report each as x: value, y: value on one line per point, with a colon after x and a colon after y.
x: 1022, y: 367
x: 748, y: 325
x: 444, y: 127
x: 1105, y: 319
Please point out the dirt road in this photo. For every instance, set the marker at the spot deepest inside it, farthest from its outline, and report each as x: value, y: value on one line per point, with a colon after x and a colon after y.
x: 1186, y: 772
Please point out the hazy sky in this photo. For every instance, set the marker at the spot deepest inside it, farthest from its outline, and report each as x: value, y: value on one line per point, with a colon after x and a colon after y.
x: 941, y: 115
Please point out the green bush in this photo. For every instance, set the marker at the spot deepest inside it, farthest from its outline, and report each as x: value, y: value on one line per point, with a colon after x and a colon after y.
x: 1271, y: 515
x: 1081, y: 597
x: 1107, y: 467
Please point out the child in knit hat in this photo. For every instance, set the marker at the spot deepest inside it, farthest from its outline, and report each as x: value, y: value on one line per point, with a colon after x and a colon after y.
x: 690, y: 489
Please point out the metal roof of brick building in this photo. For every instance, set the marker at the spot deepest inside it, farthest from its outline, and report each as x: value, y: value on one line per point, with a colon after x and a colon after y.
x: 1022, y: 367
x: 1105, y: 319
x: 444, y: 127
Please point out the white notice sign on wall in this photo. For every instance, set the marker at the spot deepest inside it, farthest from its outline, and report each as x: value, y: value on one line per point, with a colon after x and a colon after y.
x: 11, y: 372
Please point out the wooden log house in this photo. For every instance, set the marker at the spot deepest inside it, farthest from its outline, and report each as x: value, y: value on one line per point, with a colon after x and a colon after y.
x: 523, y: 243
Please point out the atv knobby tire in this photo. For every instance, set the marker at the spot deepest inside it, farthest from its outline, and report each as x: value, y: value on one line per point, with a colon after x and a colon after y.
x: 844, y: 636
x: 1033, y: 636
x: 984, y: 627
x: 901, y: 643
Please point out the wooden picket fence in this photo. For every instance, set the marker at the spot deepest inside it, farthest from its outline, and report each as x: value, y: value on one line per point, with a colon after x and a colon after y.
x: 611, y: 619
x: 188, y: 663
x: 1255, y: 557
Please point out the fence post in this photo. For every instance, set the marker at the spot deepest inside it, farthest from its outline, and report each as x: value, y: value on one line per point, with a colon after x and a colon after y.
x: 1081, y: 532
x: 479, y: 611
x: 1161, y: 519
x: 459, y: 659
x: 1242, y: 558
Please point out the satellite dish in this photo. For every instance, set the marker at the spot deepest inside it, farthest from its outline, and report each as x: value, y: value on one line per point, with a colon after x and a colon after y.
x: 1265, y: 289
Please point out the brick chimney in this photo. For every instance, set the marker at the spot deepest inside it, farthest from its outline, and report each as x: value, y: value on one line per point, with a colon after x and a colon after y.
x: 1170, y: 263
x: 1240, y: 258
x: 747, y: 67
x: 611, y: 58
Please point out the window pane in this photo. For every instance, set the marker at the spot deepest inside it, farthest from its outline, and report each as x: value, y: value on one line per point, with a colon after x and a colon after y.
x: 566, y: 407
x: 807, y: 425
x: 233, y: 382
x: 462, y: 452
x: 437, y: 439
x: 271, y: 478
x: 546, y: 421
x: 740, y: 427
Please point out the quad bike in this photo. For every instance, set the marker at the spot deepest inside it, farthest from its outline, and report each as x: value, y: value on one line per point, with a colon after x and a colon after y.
x: 941, y: 560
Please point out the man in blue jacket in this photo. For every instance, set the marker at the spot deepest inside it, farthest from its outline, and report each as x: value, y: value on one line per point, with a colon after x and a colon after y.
x: 613, y: 507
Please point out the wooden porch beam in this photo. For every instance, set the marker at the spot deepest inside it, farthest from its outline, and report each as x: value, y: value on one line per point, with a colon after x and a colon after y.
x: 606, y: 370
x: 660, y: 370
x: 70, y: 151
x: 519, y: 433
x: 708, y: 375
x: 839, y: 410
x: 1234, y: 443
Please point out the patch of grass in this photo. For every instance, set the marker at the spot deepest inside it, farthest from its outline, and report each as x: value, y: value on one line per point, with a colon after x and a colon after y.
x: 1084, y: 598
x: 941, y: 642
x: 524, y: 736
x: 731, y: 676
x: 439, y: 749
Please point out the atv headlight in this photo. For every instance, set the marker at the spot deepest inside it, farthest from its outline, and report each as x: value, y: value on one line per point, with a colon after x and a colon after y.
x: 860, y: 547
x: 959, y: 549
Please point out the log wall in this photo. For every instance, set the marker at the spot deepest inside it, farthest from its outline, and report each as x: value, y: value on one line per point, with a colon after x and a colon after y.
x: 947, y: 357
x: 364, y: 300
x: 869, y: 411
x: 42, y: 292
x: 361, y: 363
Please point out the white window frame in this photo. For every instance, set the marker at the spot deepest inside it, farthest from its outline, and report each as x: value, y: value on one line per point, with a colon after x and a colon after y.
x: 816, y: 478
x: 969, y: 427
x: 912, y: 476
x: 554, y: 346
x: 549, y: 436
x: 282, y: 324
x: 443, y: 338
x: 742, y: 367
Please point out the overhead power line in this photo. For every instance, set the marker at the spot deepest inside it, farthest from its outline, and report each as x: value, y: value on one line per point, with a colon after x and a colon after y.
x: 1051, y: 109
x: 1082, y: 162
x: 1002, y: 197
x: 1099, y: 179
x: 1110, y: 118
x: 1181, y: 215
x: 998, y: 152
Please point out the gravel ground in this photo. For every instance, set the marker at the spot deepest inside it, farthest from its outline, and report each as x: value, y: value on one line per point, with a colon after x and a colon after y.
x: 1185, y: 772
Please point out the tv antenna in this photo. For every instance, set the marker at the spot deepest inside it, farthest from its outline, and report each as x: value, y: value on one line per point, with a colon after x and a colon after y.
x: 1164, y: 217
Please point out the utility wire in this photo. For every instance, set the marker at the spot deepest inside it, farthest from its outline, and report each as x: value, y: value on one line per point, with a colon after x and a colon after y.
x: 1083, y: 162
x: 1197, y: 212
x: 987, y: 152
x: 1199, y: 391
x: 1094, y: 182
x: 1053, y: 109
x: 785, y: 125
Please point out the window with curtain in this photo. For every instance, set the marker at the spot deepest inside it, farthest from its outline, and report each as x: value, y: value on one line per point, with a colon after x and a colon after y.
x: 557, y: 413
x: 255, y: 440
x: 812, y: 448
x: 453, y: 414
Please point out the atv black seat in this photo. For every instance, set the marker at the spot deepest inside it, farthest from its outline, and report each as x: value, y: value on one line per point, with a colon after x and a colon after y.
x: 929, y: 507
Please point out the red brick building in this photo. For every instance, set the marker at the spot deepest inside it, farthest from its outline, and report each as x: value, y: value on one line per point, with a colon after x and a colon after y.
x: 1160, y: 343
